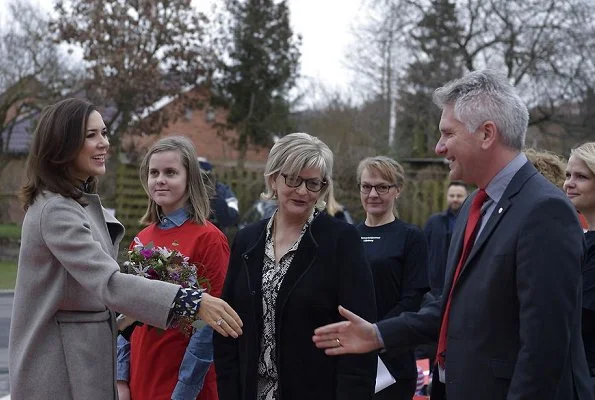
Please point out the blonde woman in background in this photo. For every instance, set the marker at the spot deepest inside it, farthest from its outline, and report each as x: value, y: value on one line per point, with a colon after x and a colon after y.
x: 580, y: 189
x: 553, y: 167
x: 398, y: 255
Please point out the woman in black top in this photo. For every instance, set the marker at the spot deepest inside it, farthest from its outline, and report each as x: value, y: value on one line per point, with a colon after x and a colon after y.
x: 580, y: 189
x: 397, y: 253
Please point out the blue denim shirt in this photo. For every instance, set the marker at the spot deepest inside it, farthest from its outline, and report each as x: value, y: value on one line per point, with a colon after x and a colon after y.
x: 198, y: 356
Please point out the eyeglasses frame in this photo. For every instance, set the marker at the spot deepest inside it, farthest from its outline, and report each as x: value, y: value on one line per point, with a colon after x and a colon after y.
x: 375, y: 187
x: 323, y: 182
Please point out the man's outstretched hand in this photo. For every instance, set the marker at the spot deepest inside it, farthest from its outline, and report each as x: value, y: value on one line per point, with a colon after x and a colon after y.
x: 354, y: 336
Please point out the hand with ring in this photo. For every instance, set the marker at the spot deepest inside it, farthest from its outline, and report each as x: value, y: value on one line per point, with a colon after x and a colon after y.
x: 218, y: 314
x: 357, y: 334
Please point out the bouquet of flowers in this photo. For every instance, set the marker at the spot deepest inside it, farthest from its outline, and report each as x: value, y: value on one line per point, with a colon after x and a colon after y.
x: 166, y: 265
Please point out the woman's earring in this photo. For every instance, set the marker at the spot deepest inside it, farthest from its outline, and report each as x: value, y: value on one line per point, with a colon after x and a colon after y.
x: 274, y: 195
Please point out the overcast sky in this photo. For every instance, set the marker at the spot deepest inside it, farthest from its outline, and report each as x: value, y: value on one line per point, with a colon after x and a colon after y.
x: 323, y: 24
x: 325, y: 29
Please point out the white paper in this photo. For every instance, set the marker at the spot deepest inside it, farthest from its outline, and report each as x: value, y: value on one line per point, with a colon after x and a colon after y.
x: 383, y: 378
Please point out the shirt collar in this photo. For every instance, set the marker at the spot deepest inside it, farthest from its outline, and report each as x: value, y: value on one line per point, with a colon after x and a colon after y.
x: 174, y: 219
x: 498, y: 184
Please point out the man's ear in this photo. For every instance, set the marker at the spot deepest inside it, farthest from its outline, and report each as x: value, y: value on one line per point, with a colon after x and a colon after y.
x: 488, y: 133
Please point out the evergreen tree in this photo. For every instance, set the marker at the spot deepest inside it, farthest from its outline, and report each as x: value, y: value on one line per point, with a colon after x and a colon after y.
x: 438, y: 60
x: 260, y: 67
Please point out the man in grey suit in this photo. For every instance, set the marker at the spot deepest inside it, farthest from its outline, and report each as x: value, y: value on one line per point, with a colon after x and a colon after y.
x: 508, y: 321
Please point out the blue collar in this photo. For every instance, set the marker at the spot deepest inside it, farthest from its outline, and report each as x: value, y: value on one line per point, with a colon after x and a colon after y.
x: 499, y: 183
x: 175, y: 219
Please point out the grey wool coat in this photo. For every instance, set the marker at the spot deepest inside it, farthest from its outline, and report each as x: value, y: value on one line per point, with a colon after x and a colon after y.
x: 62, y: 333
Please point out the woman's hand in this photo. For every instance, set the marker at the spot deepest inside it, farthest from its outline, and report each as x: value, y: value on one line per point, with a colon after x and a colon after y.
x: 123, y: 390
x: 217, y: 313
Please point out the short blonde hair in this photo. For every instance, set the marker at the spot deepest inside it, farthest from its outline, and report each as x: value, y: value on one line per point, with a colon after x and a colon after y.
x: 293, y: 153
x: 198, y: 199
x: 550, y: 165
x: 387, y: 168
x: 586, y: 153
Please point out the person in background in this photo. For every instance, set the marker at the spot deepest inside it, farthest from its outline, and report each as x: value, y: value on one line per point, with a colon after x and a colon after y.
x: 287, y: 274
x: 397, y: 253
x: 509, y: 320
x: 164, y: 365
x: 62, y: 331
x: 334, y: 208
x: 224, y: 203
x: 549, y: 164
x: 580, y: 188
x: 553, y: 167
x: 438, y: 231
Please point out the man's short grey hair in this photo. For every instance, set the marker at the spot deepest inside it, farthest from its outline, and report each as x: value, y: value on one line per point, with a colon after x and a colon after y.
x: 294, y: 152
x: 487, y: 95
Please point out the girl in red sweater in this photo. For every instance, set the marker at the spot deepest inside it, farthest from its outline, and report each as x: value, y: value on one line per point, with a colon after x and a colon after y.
x: 164, y: 365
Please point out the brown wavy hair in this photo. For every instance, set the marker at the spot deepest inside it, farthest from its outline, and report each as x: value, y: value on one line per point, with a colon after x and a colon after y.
x: 551, y: 165
x: 57, y: 140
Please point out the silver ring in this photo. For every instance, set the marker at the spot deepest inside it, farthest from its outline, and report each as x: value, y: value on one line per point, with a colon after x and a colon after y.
x: 219, y: 321
x: 338, y: 342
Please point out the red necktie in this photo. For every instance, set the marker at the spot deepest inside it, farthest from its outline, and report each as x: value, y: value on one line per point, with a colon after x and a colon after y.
x: 470, y: 233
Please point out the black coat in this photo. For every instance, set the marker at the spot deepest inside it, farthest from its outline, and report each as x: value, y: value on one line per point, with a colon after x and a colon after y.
x: 514, y: 327
x: 328, y: 270
x: 438, y: 236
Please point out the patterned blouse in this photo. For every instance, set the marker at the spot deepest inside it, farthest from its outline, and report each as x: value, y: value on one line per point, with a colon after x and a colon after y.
x: 272, y: 277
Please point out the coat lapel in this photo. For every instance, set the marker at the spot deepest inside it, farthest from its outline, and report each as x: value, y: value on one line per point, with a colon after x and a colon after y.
x: 506, y: 201
x: 254, y: 259
x: 303, y: 259
x: 95, y: 212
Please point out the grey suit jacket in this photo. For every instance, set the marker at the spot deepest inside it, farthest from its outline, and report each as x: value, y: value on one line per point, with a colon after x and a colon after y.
x: 514, y: 325
x: 62, y: 333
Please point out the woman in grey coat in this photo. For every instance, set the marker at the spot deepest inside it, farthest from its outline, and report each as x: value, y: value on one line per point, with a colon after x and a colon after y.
x: 62, y: 333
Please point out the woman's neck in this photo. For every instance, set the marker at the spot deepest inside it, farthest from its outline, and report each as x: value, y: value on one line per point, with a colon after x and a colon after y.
x: 289, y: 224
x: 378, y: 220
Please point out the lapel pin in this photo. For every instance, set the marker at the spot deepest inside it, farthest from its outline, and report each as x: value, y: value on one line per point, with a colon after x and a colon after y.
x: 500, y: 210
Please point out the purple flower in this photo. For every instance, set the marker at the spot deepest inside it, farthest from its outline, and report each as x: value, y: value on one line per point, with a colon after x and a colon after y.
x: 147, y: 253
x: 175, y: 276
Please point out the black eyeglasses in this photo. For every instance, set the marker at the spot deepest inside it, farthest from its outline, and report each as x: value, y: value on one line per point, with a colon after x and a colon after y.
x: 380, y: 189
x: 312, y: 184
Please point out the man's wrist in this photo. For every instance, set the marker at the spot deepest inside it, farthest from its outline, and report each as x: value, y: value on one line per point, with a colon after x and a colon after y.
x: 379, y: 340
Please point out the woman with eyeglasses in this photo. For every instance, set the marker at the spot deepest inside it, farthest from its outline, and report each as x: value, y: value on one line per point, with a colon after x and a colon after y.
x: 287, y: 275
x: 398, y: 254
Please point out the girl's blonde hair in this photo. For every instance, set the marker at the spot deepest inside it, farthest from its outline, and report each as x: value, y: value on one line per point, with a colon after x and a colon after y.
x: 198, y: 199
x: 388, y: 169
x: 586, y: 153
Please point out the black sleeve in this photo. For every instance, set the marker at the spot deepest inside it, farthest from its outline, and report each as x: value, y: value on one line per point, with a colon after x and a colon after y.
x: 226, y: 349
x: 415, y: 275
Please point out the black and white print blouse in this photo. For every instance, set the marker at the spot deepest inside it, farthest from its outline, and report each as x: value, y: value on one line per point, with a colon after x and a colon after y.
x: 272, y: 277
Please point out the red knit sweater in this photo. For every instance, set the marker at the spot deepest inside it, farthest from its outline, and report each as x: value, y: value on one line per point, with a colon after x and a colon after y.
x: 156, y: 355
